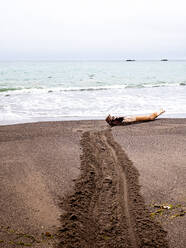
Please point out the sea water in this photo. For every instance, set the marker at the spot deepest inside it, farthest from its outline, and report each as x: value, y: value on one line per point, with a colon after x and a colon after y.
x: 68, y: 90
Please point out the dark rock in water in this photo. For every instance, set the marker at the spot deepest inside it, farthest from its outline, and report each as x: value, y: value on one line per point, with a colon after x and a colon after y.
x: 130, y: 60
x: 50, y: 77
x: 183, y: 84
x: 50, y: 91
x: 7, y: 95
x: 164, y: 59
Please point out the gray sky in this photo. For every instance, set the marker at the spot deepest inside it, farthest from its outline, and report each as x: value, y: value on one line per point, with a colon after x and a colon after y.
x: 92, y: 29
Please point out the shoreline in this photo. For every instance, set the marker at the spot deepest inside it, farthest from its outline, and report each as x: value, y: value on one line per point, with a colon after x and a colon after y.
x: 74, y: 118
x: 41, y: 163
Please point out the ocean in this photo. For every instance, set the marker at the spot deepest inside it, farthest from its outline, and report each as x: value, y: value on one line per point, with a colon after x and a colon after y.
x: 75, y: 90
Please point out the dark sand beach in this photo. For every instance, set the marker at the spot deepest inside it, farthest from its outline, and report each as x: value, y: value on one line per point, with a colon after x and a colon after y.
x: 84, y: 184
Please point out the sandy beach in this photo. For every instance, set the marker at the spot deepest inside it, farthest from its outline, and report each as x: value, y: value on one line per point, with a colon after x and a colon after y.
x: 84, y: 184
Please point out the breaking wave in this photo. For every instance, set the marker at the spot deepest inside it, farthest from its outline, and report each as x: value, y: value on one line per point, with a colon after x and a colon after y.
x: 9, y: 89
x: 93, y: 88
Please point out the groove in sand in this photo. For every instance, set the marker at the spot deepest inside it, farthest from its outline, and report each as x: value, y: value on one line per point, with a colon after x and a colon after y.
x: 123, y: 192
x: 106, y: 208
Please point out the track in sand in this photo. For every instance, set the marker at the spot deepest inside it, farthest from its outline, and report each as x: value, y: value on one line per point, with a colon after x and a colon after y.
x: 106, y: 208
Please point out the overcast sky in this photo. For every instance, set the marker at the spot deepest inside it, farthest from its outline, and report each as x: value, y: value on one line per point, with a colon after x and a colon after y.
x: 92, y: 29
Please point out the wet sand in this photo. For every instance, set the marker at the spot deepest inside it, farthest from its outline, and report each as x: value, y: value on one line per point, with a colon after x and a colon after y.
x: 83, y: 184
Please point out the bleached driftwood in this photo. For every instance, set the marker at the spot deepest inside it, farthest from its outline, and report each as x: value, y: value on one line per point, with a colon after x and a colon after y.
x: 116, y: 121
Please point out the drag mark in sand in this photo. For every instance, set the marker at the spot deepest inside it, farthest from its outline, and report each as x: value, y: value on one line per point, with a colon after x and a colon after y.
x: 106, y: 208
x: 123, y: 192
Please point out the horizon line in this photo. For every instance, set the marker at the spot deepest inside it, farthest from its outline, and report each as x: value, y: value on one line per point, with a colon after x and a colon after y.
x: 98, y: 59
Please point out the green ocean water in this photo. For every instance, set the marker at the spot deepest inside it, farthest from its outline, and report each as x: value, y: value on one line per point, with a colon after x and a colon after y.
x: 43, y: 90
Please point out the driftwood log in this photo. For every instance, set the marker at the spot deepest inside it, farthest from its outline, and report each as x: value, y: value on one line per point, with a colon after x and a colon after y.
x: 118, y: 121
